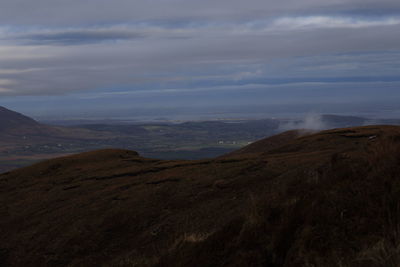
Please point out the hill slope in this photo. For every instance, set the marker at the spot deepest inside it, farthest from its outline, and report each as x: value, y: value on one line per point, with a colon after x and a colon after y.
x: 326, y: 199
x: 23, y: 140
x: 12, y: 122
x: 10, y: 119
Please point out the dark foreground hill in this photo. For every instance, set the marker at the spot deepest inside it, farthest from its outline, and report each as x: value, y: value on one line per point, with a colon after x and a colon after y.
x: 326, y: 199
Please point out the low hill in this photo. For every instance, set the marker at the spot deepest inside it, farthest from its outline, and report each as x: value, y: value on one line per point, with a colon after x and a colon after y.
x: 15, y: 127
x: 325, y: 199
x: 12, y: 122
x: 24, y: 140
x: 11, y: 119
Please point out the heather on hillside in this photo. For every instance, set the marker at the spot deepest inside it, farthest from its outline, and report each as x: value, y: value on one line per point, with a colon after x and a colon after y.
x: 324, y: 199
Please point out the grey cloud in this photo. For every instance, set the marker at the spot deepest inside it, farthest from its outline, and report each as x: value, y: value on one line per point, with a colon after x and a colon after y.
x: 166, y: 41
x: 82, y: 35
x: 76, y: 37
x: 76, y: 12
x: 62, y: 69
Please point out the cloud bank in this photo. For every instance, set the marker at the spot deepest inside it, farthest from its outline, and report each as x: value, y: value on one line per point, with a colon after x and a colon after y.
x: 104, y: 48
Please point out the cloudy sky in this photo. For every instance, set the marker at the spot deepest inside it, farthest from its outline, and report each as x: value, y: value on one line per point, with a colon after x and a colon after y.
x: 99, y: 58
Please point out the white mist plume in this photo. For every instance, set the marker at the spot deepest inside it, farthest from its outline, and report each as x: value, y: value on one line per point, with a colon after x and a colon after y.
x: 311, y: 122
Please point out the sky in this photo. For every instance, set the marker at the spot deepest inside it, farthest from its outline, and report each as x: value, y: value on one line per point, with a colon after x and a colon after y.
x: 161, y: 58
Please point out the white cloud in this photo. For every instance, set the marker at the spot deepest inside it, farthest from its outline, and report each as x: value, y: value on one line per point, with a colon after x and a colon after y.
x: 310, y: 122
x: 313, y: 22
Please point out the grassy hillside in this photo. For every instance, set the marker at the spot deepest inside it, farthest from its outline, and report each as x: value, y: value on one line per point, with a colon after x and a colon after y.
x: 325, y: 199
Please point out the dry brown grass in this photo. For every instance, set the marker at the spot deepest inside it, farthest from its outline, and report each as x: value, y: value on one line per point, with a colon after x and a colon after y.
x: 195, y: 237
x: 307, y: 207
x: 383, y: 254
x: 384, y: 161
x: 384, y: 155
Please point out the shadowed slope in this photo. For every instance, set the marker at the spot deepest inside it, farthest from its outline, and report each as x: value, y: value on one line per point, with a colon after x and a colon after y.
x: 24, y: 140
x: 16, y: 127
x: 326, y: 199
x: 11, y: 119
x: 11, y: 122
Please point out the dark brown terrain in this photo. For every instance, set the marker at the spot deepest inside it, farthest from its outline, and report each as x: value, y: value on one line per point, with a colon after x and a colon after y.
x: 325, y: 199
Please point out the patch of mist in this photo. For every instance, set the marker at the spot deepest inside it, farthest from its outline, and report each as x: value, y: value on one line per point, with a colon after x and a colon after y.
x: 312, y: 122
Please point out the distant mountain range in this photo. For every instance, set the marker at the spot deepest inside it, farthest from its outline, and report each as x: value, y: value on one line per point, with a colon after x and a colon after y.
x: 296, y: 199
